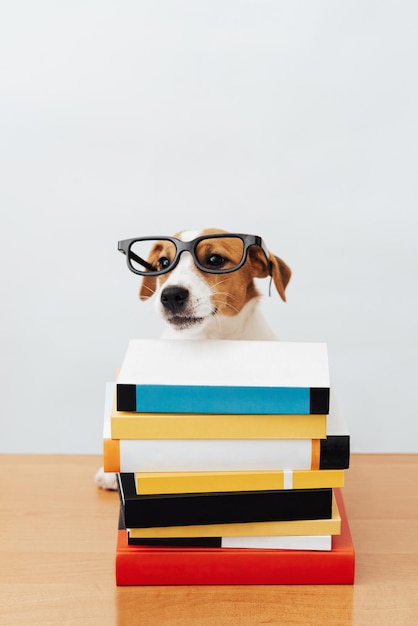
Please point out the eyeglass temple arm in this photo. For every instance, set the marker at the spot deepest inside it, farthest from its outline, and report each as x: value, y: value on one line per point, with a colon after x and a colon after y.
x: 271, y: 276
x: 135, y: 257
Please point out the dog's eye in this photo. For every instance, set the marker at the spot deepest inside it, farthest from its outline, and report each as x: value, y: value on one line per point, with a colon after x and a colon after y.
x: 163, y: 263
x: 215, y: 261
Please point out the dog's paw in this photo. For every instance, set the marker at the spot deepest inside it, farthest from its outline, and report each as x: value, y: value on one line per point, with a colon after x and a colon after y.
x: 106, y: 480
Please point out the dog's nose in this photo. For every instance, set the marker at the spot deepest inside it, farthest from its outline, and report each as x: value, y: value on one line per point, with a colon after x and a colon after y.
x: 174, y: 298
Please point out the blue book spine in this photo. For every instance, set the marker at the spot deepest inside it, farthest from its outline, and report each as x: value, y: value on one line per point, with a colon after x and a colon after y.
x: 228, y: 400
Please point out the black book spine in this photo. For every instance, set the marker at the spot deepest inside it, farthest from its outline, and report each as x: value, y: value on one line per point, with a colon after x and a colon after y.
x: 221, y: 508
x: 335, y: 452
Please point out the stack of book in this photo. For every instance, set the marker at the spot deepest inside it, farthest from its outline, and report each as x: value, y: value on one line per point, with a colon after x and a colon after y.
x: 230, y: 458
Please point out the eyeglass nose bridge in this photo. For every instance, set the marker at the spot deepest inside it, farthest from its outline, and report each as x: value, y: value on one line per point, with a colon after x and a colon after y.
x: 182, y: 246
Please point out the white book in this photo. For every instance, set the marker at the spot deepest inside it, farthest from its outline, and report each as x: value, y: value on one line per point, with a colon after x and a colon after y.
x: 221, y: 376
x: 302, y: 542
x: 269, y: 542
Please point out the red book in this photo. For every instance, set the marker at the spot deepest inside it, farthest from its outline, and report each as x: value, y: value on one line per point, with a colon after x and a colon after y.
x: 138, y: 565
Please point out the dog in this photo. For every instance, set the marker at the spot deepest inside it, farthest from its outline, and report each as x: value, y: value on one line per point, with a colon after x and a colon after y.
x: 203, y: 296
x: 200, y: 305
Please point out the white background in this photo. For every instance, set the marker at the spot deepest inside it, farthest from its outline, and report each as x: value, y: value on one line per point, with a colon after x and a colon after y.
x: 293, y: 120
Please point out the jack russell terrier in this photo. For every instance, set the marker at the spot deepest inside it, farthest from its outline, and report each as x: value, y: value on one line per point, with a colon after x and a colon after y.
x: 208, y: 293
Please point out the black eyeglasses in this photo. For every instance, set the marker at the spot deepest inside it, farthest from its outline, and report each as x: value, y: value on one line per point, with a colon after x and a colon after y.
x: 217, y: 254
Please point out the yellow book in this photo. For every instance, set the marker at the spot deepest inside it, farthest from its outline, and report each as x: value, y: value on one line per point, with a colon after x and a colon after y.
x: 127, y: 425
x: 148, y: 483
x: 330, y: 526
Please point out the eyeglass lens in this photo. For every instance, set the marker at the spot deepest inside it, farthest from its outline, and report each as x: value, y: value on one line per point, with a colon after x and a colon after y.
x: 220, y: 253
x: 152, y: 255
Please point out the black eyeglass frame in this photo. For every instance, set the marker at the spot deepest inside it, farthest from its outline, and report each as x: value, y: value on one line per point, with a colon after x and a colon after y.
x: 125, y: 246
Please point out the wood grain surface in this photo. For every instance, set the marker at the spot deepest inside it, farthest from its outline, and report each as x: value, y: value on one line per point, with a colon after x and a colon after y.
x: 57, y: 549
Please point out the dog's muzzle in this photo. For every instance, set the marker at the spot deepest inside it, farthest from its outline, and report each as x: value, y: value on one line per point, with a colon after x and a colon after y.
x: 179, y: 310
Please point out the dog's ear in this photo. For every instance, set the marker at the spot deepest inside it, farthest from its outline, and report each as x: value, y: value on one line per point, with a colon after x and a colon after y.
x: 280, y: 271
x: 281, y: 274
x: 148, y: 286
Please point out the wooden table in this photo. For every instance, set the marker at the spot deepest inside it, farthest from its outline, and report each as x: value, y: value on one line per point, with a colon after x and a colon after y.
x: 57, y: 549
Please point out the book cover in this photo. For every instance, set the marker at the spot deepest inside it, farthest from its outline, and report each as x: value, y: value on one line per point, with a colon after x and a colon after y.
x: 262, y: 377
x: 183, y: 482
x: 225, y: 455
x: 327, y: 526
x: 220, y: 507
x: 320, y: 542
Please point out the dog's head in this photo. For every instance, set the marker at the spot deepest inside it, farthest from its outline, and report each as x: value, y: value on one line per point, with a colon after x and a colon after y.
x: 188, y: 297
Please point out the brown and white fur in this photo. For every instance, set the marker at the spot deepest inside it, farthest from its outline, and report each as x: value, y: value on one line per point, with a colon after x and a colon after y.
x: 199, y: 305
x: 217, y: 306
